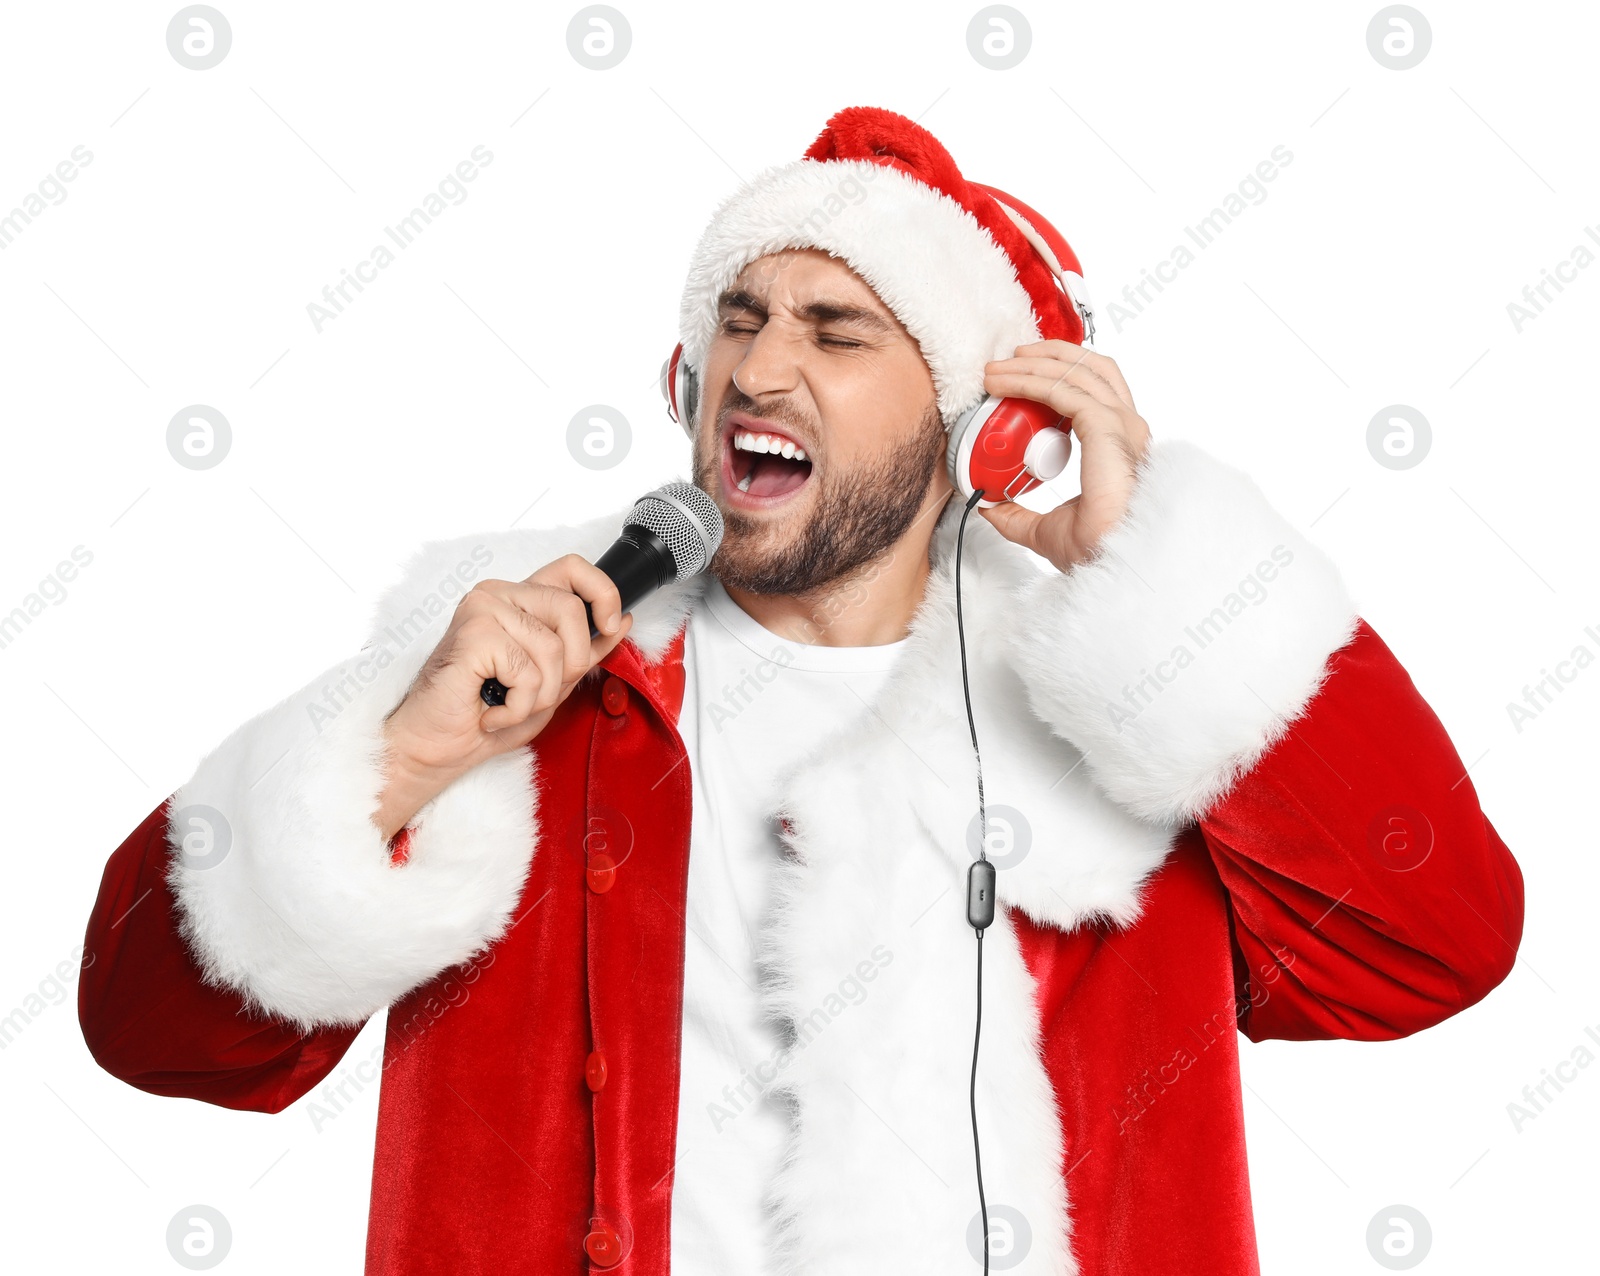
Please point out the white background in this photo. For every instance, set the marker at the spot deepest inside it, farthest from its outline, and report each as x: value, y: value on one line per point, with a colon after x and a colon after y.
x: 218, y: 204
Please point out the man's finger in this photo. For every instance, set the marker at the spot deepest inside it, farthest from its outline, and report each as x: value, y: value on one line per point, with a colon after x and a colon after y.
x: 1016, y: 523
x: 1069, y: 371
x: 1102, y: 364
x: 578, y: 575
x: 1086, y: 414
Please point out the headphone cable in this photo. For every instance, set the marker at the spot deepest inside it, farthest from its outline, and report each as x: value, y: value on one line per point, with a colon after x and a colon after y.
x: 980, y: 884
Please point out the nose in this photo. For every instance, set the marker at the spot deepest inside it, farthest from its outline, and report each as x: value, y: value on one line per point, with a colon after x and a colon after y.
x: 769, y: 365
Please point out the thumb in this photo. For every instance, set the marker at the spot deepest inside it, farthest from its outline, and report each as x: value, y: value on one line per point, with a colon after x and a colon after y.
x: 1016, y: 523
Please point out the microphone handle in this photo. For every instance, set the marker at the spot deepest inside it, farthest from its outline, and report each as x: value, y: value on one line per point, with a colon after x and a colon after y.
x: 639, y: 563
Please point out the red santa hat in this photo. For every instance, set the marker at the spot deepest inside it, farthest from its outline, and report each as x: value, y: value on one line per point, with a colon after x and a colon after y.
x: 971, y: 271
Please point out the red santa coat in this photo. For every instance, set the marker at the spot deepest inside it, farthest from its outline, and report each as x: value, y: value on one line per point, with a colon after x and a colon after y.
x: 1230, y: 807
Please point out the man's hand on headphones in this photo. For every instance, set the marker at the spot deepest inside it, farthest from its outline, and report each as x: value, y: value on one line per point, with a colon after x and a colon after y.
x: 1088, y: 389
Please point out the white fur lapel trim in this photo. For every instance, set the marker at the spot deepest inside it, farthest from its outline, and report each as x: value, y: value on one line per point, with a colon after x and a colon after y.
x: 880, y: 1173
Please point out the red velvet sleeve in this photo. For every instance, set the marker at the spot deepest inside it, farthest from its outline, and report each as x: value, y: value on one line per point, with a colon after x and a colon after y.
x: 148, y: 1017
x: 1370, y: 896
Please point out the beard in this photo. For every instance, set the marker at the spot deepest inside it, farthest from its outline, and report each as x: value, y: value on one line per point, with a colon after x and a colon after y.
x: 860, y: 511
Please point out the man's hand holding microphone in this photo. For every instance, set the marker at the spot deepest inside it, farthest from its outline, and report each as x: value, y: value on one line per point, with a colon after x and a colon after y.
x: 533, y: 636
x: 515, y: 650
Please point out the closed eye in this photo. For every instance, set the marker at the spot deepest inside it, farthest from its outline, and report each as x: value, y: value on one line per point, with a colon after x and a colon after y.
x: 744, y: 330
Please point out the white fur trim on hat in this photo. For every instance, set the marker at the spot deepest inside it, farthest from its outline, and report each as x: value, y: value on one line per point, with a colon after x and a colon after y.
x: 927, y: 258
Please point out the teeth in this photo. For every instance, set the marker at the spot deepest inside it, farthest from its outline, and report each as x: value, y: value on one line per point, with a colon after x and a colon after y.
x: 748, y: 441
x: 744, y: 483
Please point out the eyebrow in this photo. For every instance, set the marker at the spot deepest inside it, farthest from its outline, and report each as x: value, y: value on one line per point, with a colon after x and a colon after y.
x: 822, y: 311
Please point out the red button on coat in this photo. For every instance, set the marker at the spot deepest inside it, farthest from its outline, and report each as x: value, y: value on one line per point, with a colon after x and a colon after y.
x: 594, y: 1071
x: 602, y: 873
x: 603, y: 1245
x: 614, y: 696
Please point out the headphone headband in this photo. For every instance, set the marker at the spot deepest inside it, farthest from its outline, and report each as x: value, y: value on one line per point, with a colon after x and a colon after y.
x: 1069, y: 281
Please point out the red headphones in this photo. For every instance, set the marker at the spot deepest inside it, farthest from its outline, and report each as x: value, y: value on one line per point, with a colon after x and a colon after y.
x: 1005, y: 446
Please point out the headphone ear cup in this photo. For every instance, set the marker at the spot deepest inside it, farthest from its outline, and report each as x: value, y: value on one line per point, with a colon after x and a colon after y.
x: 1006, y: 447
x: 958, y: 451
x: 681, y: 389
x: 689, y: 397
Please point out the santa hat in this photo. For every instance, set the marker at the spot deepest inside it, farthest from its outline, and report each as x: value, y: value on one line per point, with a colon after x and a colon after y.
x: 971, y: 271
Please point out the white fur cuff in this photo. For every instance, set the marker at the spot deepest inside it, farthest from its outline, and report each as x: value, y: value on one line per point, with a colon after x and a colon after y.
x: 284, y: 885
x: 1178, y: 654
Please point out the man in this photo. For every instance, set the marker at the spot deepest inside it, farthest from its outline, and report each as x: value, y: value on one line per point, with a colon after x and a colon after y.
x: 674, y: 943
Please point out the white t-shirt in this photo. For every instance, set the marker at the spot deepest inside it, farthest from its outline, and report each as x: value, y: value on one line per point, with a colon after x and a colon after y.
x: 753, y: 703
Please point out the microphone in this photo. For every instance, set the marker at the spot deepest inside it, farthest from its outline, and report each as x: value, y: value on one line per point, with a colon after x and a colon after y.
x: 669, y: 534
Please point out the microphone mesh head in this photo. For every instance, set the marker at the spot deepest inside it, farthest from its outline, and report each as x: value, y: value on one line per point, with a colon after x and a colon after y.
x: 686, y: 519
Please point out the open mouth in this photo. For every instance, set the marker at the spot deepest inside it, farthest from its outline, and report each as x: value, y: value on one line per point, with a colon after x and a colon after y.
x: 763, y: 466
